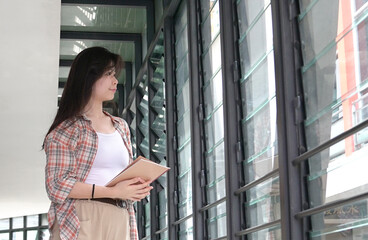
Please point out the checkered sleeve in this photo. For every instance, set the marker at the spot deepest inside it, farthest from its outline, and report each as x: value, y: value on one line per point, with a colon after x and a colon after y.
x: 59, y: 170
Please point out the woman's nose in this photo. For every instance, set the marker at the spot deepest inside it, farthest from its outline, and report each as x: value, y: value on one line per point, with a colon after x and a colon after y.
x: 115, y: 81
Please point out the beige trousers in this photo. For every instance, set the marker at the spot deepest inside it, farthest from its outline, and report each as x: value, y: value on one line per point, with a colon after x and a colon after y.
x: 99, y: 221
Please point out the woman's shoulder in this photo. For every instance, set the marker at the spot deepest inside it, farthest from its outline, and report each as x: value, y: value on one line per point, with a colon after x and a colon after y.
x: 67, y: 130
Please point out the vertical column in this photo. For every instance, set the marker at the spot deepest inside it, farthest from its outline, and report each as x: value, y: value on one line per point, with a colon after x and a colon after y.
x: 231, y: 123
x: 195, y: 101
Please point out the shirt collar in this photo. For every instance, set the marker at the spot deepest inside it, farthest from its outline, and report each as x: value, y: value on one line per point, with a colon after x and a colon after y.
x: 113, y: 119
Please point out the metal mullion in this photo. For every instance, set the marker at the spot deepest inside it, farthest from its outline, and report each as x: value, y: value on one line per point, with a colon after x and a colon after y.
x: 254, y: 183
x: 231, y: 115
x: 107, y: 36
x: 24, y: 227
x: 196, y: 105
x: 138, y: 141
x: 301, y: 158
x: 330, y: 205
x: 170, y: 124
x: 131, y: 3
x: 289, y: 125
x: 152, y: 139
x: 258, y: 228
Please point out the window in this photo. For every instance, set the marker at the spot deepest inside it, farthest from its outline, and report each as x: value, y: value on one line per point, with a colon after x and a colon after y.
x: 335, y: 85
x: 183, y: 193
x: 26, y: 227
x: 259, y: 129
x: 213, y: 119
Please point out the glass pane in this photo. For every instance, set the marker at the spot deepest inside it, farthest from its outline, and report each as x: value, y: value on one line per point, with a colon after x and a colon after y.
x: 273, y: 233
x: 257, y: 44
x: 181, y: 45
x: 17, y: 236
x: 100, y: 18
x: 261, y: 164
x: 32, y: 235
x: 32, y: 221
x: 184, y: 177
x: 183, y: 129
x: 182, y: 100
x: 147, y: 219
x: 162, y: 198
x: 164, y: 235
x: 4, y: 224
x: 186, y: 230
x: 213, y: 93
x: 259, y: 86
x: 344, y: 222
x: 259, y: 130
x: 18, y: 222
x: 249, y: 13
x: 69, y: 48
x: 185, y: 195
x: 4, y: 236
x: 216, y: 221
x: 320, y: 17
x: 346, y: 158
x: 215, y: 162
x: 64, y: 72
x: 214, y: 127
x: 45, y: 234
x: 44, y: 220
x: 210, y: 26
x: 182, y: 72
x: 263, y: 203
x: 211, y: 60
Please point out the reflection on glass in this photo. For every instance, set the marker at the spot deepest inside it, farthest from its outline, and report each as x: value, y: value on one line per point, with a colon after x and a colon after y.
x: 259, y: 127
x: 263, y: 203
x: 343, y: 222
x: 4, y: 236
x: 273, y: 233
x: 18, y: 222
x: 32, y: 221
x: 99, y: 18
x: 326, y: 168
x: 17, y: 236
x: 216, y: 221
x: 4, y: 224
x: 186, y: 230
x: 184, y: 178
x: 335, y: 92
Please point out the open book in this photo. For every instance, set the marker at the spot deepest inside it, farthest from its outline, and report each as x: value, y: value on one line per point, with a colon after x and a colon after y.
x: 141, y: 167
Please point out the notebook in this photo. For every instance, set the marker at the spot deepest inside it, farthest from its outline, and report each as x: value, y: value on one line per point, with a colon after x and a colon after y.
x: 141, y: 167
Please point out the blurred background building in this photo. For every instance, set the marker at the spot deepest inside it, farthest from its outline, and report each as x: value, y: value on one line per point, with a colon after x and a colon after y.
x: 259, y: 107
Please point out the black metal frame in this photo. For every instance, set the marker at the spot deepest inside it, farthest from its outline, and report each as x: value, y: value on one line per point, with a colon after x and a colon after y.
x: 196, y: 118
x: 231, y: 104
x: 148, y: 4
x: 170, y: 123
x: 25, y: 229
x: 128, y: 37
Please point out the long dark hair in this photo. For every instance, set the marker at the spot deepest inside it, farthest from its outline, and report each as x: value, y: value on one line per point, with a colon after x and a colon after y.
x: 88, y: 66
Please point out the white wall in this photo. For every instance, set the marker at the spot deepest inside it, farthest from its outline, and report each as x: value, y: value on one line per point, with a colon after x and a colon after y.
x: 29, y: 55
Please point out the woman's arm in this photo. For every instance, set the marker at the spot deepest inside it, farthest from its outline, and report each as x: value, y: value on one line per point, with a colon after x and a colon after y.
x: 134, y: 189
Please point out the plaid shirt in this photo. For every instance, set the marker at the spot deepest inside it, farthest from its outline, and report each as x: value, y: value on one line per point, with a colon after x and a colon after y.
x: 70, y: 151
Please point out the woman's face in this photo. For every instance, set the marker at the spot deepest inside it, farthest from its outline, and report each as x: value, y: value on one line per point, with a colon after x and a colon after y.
x: 105, y: 87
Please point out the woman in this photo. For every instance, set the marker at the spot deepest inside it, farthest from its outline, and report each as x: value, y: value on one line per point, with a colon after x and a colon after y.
x: 85, y: 148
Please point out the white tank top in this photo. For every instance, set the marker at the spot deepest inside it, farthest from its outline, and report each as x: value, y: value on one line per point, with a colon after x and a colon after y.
x: 111, y: 158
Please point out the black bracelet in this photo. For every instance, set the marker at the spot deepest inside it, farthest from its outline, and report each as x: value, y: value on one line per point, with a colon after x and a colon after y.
x: 93, y: 191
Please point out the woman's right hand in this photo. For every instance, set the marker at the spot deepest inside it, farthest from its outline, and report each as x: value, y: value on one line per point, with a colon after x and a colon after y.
x: 133, y: 189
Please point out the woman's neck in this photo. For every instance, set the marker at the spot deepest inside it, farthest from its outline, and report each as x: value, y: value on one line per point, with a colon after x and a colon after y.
x: 93, y: 110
